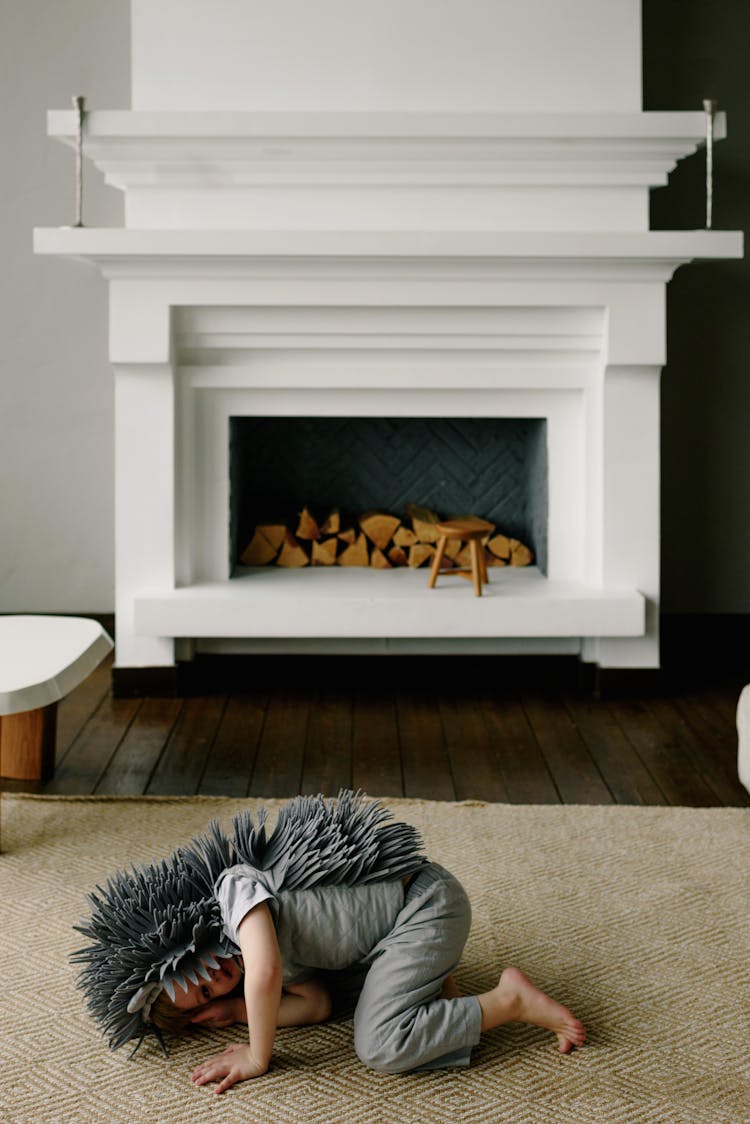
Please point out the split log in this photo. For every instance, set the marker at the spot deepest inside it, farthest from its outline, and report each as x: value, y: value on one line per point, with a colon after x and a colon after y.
x: 520, y: 555
x: 332, y: 524
x: 500, y: 546
x: 463, y: 558
x: 378, y: 560
x: 381, y: 541
x: 274, y: 532
x: 379, y: 527
x: 307, y: 528
x: 423, y: 521
x: 324, y: 552
x: 356, y: 554
x: 420, y: 553
x: 293, y: 555
x: 259, y: 551
x: 404, y: 536
x: 492, y: 560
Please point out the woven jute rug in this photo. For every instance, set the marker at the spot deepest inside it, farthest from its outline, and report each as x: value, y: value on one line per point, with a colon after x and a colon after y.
x: 636, y: 918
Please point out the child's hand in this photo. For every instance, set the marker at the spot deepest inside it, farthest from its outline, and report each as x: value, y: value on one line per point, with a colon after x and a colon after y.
x: 218, y: 1013
x: 234, y: 1064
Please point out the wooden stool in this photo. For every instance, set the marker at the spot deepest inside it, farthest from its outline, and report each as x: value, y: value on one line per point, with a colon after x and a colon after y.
x: 42, y: 658
x: 469, y: 530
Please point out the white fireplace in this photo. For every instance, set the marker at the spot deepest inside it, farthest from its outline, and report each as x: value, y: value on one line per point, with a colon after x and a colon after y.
x: 399, y: 260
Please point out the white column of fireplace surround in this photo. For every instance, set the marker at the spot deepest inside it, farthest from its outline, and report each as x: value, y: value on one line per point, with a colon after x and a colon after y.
x: 144, y: 502
x: 141, y: 354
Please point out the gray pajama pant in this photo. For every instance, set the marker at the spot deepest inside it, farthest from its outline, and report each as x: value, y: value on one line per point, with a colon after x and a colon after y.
x: 400, y: 1021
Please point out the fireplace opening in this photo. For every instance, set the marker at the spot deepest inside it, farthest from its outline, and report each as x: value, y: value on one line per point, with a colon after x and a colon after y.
x: 494, y: 468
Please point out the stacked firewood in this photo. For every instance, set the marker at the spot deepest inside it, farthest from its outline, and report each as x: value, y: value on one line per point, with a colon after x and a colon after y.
x: 374, y: 539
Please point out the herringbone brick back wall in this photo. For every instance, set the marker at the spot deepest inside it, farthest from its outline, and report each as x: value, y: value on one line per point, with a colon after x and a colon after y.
x: 492, y: 467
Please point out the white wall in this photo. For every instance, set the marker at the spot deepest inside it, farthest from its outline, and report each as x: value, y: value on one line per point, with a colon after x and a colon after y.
x: 56, y: 391
x: 381, y: 55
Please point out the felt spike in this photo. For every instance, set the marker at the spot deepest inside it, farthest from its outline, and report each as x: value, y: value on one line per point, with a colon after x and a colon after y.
x: 191, y: 974
x: 206, y: 857
x: 250, y: 842
x: 160, y: 1040
x: 178, y: 981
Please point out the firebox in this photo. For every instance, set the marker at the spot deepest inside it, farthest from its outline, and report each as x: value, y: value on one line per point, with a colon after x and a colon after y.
x: 495, y: 468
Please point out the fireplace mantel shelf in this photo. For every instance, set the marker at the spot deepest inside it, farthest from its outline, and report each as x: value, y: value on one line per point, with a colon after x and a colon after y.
x: 140, y: 248
x: 338, y: 602
x: 135, y: 148
x: 127, y: 124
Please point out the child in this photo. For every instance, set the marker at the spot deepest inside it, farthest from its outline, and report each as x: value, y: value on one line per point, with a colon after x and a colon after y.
x: 333, y: 889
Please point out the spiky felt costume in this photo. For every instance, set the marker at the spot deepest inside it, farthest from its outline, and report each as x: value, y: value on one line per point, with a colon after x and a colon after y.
x: 157, y: 925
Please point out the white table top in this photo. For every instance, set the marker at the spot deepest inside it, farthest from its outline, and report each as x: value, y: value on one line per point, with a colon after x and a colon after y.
x: 43, y: 658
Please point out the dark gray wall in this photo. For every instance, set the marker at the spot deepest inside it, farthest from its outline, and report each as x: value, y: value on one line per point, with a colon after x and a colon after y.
x: 693, y: 51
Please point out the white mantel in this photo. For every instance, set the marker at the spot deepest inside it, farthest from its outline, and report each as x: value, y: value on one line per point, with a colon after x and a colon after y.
x: 400, y: 170
x: 396, y: 259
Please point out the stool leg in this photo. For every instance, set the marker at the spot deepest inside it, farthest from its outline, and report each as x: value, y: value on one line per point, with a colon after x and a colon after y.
x: 475, y: 567
x: 27, y: 744
x: 436, y: 561
x: 482, y: 565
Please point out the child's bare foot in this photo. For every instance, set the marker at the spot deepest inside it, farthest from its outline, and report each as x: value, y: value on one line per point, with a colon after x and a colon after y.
x: 450, y: 989
x: 517, y: 999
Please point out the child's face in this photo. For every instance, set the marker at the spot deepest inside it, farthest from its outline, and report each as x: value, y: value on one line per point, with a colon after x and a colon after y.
x: 223, y: 980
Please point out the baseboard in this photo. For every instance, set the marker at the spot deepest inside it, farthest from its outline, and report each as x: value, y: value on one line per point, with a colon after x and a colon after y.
x: 440, y: 674
x: 705, y: 648
x: 212, y: 674
x: 698, y: 649
x: 147, y: 682
x: 627, y: 682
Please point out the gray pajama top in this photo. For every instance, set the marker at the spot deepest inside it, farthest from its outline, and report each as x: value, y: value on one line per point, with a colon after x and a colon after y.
x: 408, y: 940
x: 325, y: 928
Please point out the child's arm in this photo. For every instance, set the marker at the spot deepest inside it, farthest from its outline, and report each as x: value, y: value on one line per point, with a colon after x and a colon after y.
x: 304, y: 1003
x: 262, y: 960
x: 301, y: 1004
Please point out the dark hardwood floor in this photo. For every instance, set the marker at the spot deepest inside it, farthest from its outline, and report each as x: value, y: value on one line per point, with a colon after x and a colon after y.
x: 401, y: 728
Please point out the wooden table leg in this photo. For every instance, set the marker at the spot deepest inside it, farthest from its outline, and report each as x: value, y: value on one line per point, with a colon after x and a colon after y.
x: 27, y: 744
